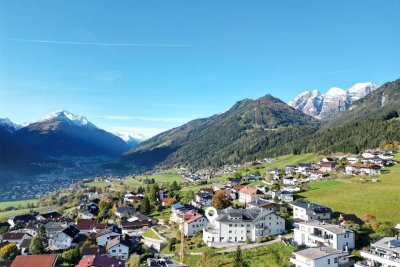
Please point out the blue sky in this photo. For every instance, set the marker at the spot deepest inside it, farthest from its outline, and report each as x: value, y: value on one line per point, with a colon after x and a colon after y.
x: 151, y: 65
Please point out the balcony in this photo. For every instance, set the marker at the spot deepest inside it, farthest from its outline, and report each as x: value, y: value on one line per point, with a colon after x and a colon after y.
x: 381, y: 258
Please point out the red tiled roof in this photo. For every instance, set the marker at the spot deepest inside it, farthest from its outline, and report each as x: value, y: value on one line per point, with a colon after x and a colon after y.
x: 89, y: 224
x: 45, y: 260
x: 167, y: 200
x: 193, y: 218
x: 248, y: 190
x: 100, y: 261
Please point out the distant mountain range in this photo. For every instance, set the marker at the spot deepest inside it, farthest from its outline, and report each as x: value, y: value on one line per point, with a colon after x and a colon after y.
x: 58, y: 137
x: 354, y: 119
x: 335, y: 100
x: 249, y: 129
x: 351, y: 120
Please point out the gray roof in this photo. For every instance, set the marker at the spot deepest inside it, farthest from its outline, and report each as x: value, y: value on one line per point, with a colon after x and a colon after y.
x: 386, y: 241
x: 317, y: 208
x: 116, y: 241
x: 243, y: 215
x: 319, y: 252
x: 333, y: 228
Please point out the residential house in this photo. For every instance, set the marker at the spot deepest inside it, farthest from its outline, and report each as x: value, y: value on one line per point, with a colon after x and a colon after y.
x: 22, y: 219
x: 15, y: 237
x: 327, y: 166
x: 125, y: 211
x: 238, y: 225
x: 311, y: 211
x: 353, y: 159
x: 317, y: 234
x: 265, y: 205
x: 321, y: 257
x: 303, y: 167
x: 286, y: 196
x: 52, y: 228
x: 363, y: 169
x: 249, y: 194
x: 105, y: 235
x: 44, y: 260
x: 234, y: 181
x: 167, y: 201
x: 179, y: 210
x: 289, y: 180
x: 64, y: 239
x: 383, y: 253
x: 118, y: 248
x: 202, y: 199
x: 49, y: 216
x: 316, y: 175
x: 88, y: 226
x: 194, y: 223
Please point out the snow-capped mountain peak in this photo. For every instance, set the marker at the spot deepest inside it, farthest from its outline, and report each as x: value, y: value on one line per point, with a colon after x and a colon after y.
x: 64, y: 115
x: 334, y: 91
x: 132, y: 139
x: 9, y: 125
x: 333, y: 101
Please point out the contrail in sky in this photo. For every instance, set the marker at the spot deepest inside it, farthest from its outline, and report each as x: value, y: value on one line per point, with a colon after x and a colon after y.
x: 96, y: 44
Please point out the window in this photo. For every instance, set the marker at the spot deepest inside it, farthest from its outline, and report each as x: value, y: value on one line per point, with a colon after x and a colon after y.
x: 335, y: 260
x: 230, y: 231
x: 329, y: 261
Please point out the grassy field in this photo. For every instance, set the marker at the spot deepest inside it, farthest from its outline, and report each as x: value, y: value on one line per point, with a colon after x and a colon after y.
x: 150, y: 234
x: 98, y: 184
x: 354, y: 196
x: 167, y: 177
x: 16, y: 203
x: 275, y: 255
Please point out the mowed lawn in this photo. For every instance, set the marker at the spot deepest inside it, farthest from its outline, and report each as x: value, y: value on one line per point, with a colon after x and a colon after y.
x: 352, y: 196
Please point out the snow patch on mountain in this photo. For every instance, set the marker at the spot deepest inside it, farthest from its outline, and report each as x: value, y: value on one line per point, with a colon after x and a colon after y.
x: 63, y: 115
x: 335, y: 100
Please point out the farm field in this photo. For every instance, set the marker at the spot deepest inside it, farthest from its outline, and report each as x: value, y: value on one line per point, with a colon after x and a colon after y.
x: 354, y: 196
x: 98, y: 184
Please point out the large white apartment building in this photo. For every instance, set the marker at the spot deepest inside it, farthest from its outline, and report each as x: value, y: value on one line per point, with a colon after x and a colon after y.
x: 311, y: 212
x: 316, y: 234
x: 321, y: 257
x: 383, y: 253
x: 236, y: 225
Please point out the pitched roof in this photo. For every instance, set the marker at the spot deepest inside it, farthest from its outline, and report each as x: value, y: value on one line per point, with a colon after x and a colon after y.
x: 116, y: 241
x: 13, y: 236
x: 51, y: 215
x: 193, y: 218
x: 248, y: 190
x: 71, y: 231
x: 89, y: 251
x: 125, y: 209
x: 45, y: 260
x: 26, y: 243
x: 242, y: 215
x: 167, y: 200
x: 100, y: 261
x: 317, y: 208
x: 89, y: 224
